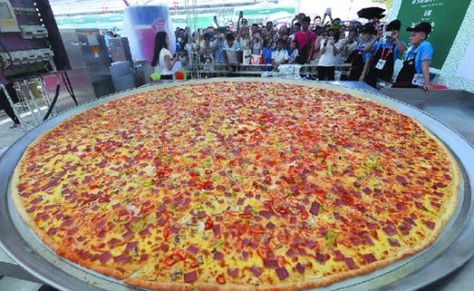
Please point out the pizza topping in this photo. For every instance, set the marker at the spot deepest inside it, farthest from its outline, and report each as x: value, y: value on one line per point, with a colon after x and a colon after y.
x: 389, y: 230
x: 114, y: 242
x: 420, y: 205
x: 31, y: 209
x: 401, y: 206
x: 131, y: 245
x: 435, y: 204
x: 265, y: 214
x: 270, y: 263
x: 192, y: 249
x: 218, y: 256
x: 122, y: 259
x: 322, y: 258
x: 350, y: 263
x: 405, y: 228
x: 369, y: 258
x: 52, y: 231
x: 201, y: 214
x: 393, y: 242
x: 282, y: 273
x: 105, y: 257
x: 429, y: 224
x: 292, y: 252
x: 36, y: 200
x: 190, y: 277
x: 164, y: 247
x: 270, y: 226
x: 256, y: 271
x: 314, y: 208
x: 144, y: 232
x: 338, y: 255
x: 402, y: 180
x: 220, y: 279
x: 217, y: 230
x: 300, y: 268
x: 233, y: 272
x: 127, y: 235
x: 174, y: 258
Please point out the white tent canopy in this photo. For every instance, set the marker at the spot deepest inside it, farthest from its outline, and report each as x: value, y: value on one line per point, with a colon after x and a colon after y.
x: 280, y: 17
x: 344, y: 9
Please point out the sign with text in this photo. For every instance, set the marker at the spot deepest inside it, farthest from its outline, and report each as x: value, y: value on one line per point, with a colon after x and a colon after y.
x: 445, y: 17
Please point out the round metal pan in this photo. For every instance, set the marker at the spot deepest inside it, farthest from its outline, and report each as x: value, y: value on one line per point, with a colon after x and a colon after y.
x: 454, y: 247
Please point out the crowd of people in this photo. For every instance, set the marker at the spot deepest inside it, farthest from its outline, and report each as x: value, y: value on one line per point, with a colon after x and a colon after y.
x: 370, y: 49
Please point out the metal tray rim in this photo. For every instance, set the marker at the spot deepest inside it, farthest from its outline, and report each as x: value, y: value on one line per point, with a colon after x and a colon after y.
x: 28, y: 138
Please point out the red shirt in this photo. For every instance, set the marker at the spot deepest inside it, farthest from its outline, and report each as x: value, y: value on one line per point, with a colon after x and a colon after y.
x: 302, y: 37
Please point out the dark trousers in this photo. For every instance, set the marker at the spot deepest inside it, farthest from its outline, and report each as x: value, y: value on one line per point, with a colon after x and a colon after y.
x: 326, y: 73
x: 5, y: 105
x: 166, y: 77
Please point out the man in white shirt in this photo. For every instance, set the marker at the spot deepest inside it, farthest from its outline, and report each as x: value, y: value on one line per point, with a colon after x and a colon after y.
x: 231, y: 51
x: 346, y: 46
x: 327, y: 60
x: 280, y: 55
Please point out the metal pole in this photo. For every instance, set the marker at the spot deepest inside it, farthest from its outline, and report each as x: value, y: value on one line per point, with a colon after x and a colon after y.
x: 37, y: 111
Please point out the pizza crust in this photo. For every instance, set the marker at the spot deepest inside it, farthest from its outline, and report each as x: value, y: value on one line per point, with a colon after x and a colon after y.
x: 154, y: 285
x: 322, y: 282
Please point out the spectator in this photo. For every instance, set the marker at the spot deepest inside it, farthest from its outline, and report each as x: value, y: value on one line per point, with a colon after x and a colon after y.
x: 346, y: 46
x: 218, y: 46
x: 231, y: 51
x: 206, y: 49
x: 296, y: 28
x: 417, y: 60
x: 327, y: 61
x: 385, y: 51
x: 256, y: 44
x: 361, y: 55
x: 183, y: 59
x: 230, y: 26
x: 316, y: 22
x: 293, y: 51
x: 282, y: 32
x: 253, y: 30
x: 192, y: 50
x: 162, y: 58
x: 269, y: 26
x: 243, y: 38
x: 267, y: 53
x: 280, y: 54
x: 306, y: 41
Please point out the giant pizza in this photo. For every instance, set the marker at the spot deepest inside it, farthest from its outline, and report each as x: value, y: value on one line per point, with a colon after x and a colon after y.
x: 237, y: 185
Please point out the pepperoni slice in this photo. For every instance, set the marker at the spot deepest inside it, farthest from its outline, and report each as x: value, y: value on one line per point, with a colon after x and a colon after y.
x: 369, y: 258
x: 393, y: 242
x: 105, y: 257
x: 350, y: 263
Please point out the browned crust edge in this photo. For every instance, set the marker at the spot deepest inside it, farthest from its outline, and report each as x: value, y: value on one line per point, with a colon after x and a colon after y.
x: 321, y: 282
x: 155, y: 285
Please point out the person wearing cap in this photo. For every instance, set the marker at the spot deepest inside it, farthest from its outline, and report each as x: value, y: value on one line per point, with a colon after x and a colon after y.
x: 361, y: 55
x: 385, y: 52
x: 417, y: 60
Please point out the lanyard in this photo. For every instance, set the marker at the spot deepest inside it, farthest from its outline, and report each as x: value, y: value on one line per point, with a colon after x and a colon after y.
x: 384, y: 56
x: 412, y: 52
